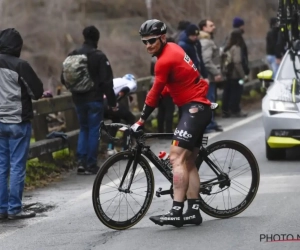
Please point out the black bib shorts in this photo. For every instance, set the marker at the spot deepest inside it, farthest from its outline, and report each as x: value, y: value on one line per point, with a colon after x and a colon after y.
x: 194, y: 119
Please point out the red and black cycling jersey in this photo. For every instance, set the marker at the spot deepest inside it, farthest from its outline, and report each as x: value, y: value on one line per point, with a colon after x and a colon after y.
x: 176, y: 74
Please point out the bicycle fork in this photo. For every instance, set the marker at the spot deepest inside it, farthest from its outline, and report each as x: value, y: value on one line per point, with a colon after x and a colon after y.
x: 128, y: 166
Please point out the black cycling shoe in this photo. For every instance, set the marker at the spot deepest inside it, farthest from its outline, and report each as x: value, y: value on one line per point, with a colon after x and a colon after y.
x: 192, y: 218
x: 80, y: 170
x: 168, y: 219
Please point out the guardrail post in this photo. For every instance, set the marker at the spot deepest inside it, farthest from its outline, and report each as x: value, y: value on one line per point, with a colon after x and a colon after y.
x: 72, y: 123
x: 40, y: 130
x: 143, y: 87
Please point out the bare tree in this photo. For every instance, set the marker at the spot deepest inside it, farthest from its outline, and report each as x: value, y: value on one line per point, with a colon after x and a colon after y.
x: 51, y: 29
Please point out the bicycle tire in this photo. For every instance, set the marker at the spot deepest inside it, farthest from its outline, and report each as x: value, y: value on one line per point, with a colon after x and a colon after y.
x: 223, y: 214
x: 126, y: 155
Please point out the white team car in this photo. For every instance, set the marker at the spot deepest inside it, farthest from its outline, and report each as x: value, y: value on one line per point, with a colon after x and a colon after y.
x: 280, y: 107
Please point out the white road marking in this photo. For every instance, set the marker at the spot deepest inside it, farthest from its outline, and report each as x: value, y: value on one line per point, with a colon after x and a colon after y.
x: 236, y: 125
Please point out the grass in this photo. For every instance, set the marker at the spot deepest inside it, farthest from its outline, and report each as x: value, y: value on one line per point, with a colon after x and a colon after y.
x: 40, y: 174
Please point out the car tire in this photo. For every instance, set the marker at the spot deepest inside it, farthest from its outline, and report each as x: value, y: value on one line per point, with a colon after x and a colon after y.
x: 275, y: 154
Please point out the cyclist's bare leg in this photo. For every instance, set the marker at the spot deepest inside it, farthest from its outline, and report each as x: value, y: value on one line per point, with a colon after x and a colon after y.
x: 192, y: 214
x: 178, y: 159
x: 174, y: 217
x: 194, y: 180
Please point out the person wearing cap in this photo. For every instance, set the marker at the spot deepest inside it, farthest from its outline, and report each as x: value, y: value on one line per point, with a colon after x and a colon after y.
x: 89, y: 105
x: 239, y: 25
x: 189, y: 42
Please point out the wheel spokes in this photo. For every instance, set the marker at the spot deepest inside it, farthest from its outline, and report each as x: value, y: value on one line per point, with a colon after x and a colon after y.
x: 226, y: 194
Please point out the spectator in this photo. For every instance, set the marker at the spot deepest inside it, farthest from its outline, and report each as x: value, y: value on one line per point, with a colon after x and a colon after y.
x: 210, y: 54
x: 123, y: 87
x: 96, y: 80
x: 271, y: 41
x: 166, y: 107
x: 239, y: 26
x: 233, y: 89
x: 19, y: 85
x: 180, y: 30
x: 192, y: 47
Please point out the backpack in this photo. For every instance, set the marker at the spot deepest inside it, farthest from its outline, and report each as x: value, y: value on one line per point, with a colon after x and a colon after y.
x: 226, y: 63
x: 76, y: 74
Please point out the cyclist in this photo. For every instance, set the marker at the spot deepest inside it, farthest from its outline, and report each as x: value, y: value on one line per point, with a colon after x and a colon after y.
x: 176, y: 75
x: 123, y: 87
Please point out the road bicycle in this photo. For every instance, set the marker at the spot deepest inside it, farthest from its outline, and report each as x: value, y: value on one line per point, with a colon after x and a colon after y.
x: 122, y: 194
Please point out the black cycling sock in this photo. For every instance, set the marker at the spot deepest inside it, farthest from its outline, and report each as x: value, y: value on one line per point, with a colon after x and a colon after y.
x: 177, y: 208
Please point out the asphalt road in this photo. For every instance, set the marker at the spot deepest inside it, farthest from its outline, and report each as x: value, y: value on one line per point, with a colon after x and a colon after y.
x: 71, y: 223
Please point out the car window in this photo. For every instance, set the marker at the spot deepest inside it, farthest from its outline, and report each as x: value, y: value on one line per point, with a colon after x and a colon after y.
x: 287, y: 69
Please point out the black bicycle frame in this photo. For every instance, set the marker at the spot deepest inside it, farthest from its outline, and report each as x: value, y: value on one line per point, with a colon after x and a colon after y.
x: 163, y: 168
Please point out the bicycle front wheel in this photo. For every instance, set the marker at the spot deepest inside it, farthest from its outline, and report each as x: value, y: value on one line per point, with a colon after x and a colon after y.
x: 229, y: 198
x: 119, y: 207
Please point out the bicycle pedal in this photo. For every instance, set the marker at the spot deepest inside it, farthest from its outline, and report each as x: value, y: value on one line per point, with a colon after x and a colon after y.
x: 159, y: 192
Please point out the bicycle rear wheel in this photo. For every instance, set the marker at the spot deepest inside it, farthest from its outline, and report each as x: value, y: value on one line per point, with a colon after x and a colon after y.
x: 115, y: 207
x: 244, y: 177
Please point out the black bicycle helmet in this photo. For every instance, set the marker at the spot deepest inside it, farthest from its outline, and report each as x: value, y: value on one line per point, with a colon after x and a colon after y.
x: 153, y: 27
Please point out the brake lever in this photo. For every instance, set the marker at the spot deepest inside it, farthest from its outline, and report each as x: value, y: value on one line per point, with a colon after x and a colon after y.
x: 137, y: 134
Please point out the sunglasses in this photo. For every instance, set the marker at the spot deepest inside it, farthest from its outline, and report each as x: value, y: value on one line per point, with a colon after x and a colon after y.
x: 150, y: 40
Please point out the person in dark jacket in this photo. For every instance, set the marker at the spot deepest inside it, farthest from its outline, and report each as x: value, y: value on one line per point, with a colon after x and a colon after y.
x: 191, y: 45
x: 271, y: 41
x: 19, y: 85
x: 233, y: 88
x: 180, y: 30
x: 238, y: 25
x: 89, y: 105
